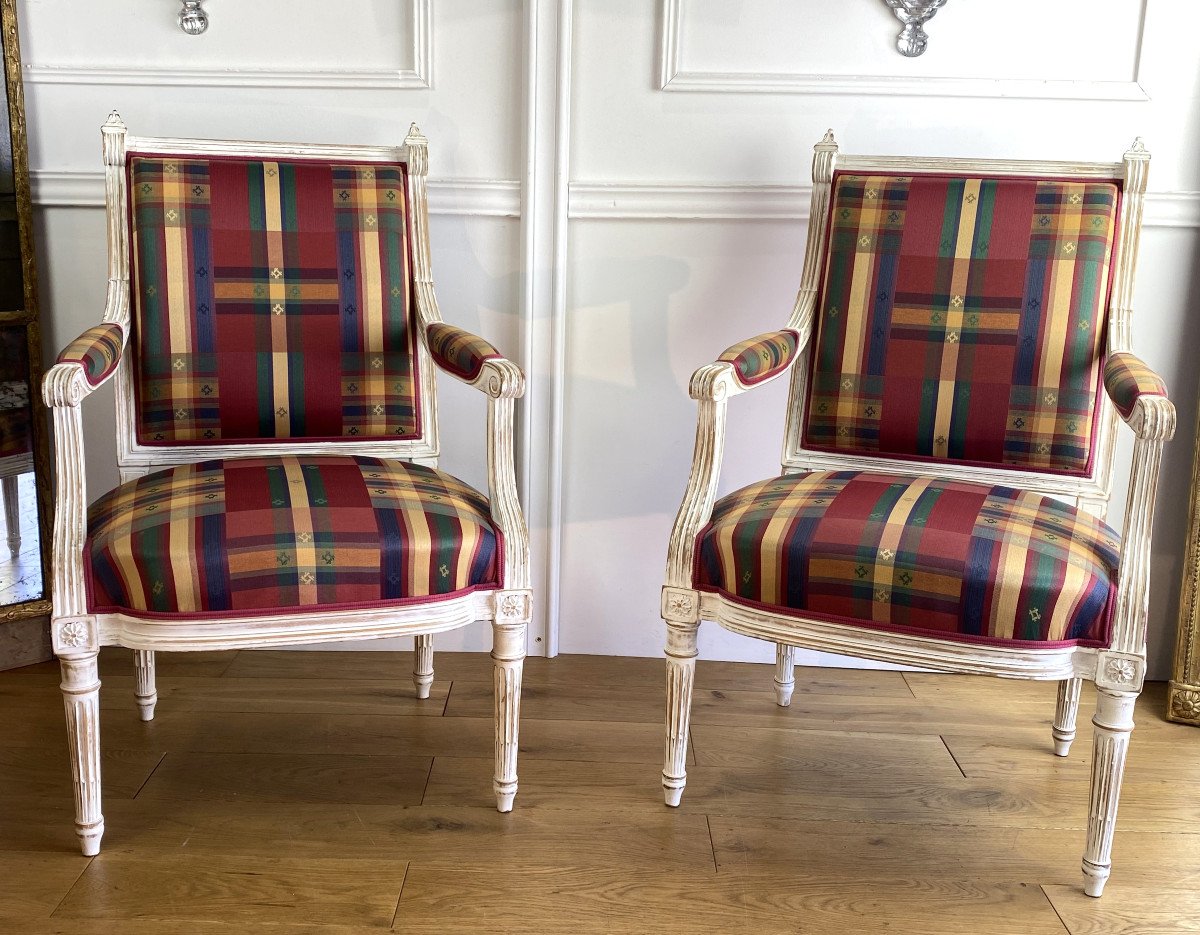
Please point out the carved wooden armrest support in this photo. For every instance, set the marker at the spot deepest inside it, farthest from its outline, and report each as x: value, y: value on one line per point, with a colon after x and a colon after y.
x: 474, y: 360
x: 94, y: 355
x: 764, y: 356
x: 1139, y: 394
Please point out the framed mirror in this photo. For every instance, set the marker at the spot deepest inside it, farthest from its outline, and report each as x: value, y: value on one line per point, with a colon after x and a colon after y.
x: 24, y: 457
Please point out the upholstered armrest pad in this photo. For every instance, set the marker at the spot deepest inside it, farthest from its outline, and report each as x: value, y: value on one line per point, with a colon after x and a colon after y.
x: 459, y: 352
x: 98, y: 349
x: 763, y: 356
x: 1126, y: 378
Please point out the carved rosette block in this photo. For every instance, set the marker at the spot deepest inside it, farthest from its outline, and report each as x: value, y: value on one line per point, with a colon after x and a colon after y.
x: 514, y: 606
x: 681, y: 605
x: 74, y: 636
x: 681, y: 672
x: 508, y: 651
x: 1120, y: 672
x: 1183, y: 703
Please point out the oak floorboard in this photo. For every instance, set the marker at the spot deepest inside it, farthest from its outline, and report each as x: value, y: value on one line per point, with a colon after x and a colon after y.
x: 1163, y: 909
x: 807, y: 795
x: 214, y: 888
x: 117, y: 660
x: 450, y: 836
x: 835, y: 850
x: 563, y: 899
x: 829, y: 753
x: 1166, y: 756
x: 295, y: 778
x: 31, y: 885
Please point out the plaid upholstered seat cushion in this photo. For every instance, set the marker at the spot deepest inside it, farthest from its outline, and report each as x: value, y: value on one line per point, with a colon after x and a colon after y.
x: 943, y: 558
x: 266, y: 534
x: 963, y: 318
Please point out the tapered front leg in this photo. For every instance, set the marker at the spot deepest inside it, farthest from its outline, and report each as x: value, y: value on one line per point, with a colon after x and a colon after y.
x: 1114, y: 722
x: 508, y: 650
x: 423, y: 664
x: 12, y: 511
x: 681, y: 671
x: 1065, y: 713
x: 785, y: 674
x: 81, y: 695
x: 144, y: 689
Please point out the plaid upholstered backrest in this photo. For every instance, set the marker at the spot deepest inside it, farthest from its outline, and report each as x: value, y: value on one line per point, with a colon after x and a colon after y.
x: 962, y: 318
x: 272, y: 300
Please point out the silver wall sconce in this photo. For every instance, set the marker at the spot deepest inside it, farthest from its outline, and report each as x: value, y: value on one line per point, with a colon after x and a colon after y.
x: 192, y: 18
x: 914, y: 14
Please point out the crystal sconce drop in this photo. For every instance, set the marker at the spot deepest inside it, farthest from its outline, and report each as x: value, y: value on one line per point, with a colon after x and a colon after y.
x: 192, y: 19
x: 914, y: 14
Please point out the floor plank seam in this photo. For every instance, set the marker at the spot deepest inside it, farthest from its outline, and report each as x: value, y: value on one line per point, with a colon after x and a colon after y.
x: 942, y: 738
x: 74, y: 883
x: 428, y: 776
x: 1054, y: 908
x: 712, y: 844
x: 907, y: 684
x: 150, y: 776
x: 229, y: 665
x: 399, y: 896
x: 446, y: 703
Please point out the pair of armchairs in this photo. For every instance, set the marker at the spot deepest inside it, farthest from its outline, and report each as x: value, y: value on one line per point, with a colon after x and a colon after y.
x: 271, y: 325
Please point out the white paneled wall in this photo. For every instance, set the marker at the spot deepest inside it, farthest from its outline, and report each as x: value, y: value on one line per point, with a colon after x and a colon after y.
x: 619, y: 192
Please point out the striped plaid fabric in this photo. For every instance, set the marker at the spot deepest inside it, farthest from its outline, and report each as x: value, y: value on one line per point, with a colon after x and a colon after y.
x: 943, y: 558
x: 457, y: 351
x: 272, y: 300
x: 98, y: 349
x: 763, y: 356
x: 257, y: 535
x: 1126, y: 377
x: 962, y: 318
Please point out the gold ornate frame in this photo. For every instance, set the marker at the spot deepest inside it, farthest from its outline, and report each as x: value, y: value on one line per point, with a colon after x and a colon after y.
x: 29, y: 315
x: 1183, y: 692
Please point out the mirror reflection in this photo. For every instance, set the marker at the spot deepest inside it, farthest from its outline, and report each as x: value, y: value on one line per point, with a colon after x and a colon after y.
x: 20, y: 547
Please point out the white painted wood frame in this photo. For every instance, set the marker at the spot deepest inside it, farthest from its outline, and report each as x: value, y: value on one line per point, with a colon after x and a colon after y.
x: 1118, y: 671
x: 78, y: 634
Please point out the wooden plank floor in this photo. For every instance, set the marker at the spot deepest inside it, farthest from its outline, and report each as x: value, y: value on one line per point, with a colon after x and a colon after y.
x: 292, y: 792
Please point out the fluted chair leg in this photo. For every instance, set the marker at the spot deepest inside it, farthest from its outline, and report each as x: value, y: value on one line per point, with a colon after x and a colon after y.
x: 785, y: 674
x: 12, y: 512
x: 508, y: 650
x: 1065, y: 713
x: 423, y: 664
x: 81, y: 697
x: 144, y: 689
x: 1114, y: 723
x: 681, y: 672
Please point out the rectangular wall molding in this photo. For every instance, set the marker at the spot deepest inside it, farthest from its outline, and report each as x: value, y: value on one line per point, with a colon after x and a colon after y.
x: 755, y: 202
x: 417, y: 75
x: 674, y: 76
x: 476, y: 197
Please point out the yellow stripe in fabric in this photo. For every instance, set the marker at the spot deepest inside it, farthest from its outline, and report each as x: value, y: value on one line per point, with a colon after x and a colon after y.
x: 277, y: 296
x: 1062, y: 283
x: 889, y: 543
x: 955, y: 312
x: 302, y: 525
x: 729, y: 524
x: 122, y: 548
x: 1010, y: 570
x: 184, y: 569
x: 856, y: 315
x: 772, y: 587
x: 178, y: 297
x: 371, y: 283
